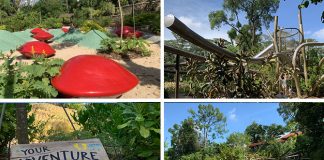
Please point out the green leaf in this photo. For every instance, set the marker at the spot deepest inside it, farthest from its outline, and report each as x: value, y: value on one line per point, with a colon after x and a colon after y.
x: 139, y: 118
x: 123, y: 125
x: 146, y: 153
x: 144, y: 132
x: 155, y: 130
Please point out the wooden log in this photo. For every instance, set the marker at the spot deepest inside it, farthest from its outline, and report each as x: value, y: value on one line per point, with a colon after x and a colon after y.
x: 176, y: 26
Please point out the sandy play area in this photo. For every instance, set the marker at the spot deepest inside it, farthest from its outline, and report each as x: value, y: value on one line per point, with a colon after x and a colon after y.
x: 147, y: 69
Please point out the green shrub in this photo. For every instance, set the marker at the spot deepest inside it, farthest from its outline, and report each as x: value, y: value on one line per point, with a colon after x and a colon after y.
x: 3, y: 27
x: 150, y: 19
x: 51, y: 23
x: 139, y: 46
x: 91, y: 25
x: 133, y: 129
x: 20, y: 80
x: 104, y: 21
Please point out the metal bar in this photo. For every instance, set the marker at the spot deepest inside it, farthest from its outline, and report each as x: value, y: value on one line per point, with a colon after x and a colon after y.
x: 183, y: 53
x: 176, y: 26
x: 173, y: 65
x: 69, y: 119
x: 177, y: 75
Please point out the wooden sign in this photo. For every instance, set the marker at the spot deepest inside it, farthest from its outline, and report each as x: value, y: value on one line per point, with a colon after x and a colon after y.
x: 90, y: 149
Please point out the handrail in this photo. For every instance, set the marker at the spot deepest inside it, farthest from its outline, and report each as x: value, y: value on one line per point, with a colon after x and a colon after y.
x: 294, y: 63
x: 300, y: 47
x: 183, y: 53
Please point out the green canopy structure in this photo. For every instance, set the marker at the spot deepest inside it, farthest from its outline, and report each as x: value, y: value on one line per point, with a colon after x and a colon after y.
x: 13, y: 40
x: 92, y: 39
x: 9, y: 40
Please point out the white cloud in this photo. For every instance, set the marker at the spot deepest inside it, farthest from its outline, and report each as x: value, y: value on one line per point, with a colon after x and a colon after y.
x: 232, y: 115
x: 319, y: 34
x: 190, y: 22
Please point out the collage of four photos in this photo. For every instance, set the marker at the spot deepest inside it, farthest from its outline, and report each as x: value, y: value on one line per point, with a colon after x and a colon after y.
x: 161, y: 80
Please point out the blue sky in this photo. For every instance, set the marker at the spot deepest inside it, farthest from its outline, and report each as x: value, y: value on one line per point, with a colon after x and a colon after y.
x: 239, y: 115
x: 195, y: 14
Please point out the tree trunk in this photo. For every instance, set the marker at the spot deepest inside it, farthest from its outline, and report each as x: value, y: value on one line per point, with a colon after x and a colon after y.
x: 21, y: 122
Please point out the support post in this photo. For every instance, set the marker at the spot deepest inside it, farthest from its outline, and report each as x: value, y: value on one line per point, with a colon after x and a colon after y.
x: 177, y: 75
x: 21, y: 121
x: 275, y: 43
x: 302, y: 40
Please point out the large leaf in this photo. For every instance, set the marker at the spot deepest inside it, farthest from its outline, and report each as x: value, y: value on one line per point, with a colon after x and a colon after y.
x: 144, y: 132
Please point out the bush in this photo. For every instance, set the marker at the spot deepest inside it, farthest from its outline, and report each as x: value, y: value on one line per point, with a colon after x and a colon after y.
x: 130, y: 44
x: 104, y: 21
x: 3, y: 27
x: 91, y: 25
x: 52, y: 23
x: 133, y: 129
x: 141, y: 19
x: 20, y: 80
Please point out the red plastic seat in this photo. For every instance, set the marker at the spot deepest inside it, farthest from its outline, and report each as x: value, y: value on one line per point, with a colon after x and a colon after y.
x: 36, y: 30
x: 43, y: 36
x: 30, y: 49
x: 93, y: 76
x: 65, y: 30
x: 126, y: 30
x: 137, y: 34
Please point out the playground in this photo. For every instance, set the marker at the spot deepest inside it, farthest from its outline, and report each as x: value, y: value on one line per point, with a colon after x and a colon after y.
x: 80, y: 57
x: 281, y: 63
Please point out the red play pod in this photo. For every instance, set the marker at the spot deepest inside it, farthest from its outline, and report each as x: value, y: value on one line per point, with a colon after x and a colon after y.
x: 30, y: 49
x: 126, y: 30
x: 36, y: 30
x: 93, y: 76
x: 137, y: 34
x: 43, y: 36
x: 65, y: 30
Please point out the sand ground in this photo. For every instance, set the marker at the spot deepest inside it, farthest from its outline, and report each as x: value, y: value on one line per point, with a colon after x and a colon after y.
x: 147, y: 69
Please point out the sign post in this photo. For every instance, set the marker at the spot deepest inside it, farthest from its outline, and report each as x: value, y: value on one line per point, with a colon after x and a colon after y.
x: 90, y: 149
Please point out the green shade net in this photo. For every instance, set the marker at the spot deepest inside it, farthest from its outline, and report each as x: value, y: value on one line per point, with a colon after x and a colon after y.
x: 92, y: 39
x: 9, y: 40
x: 13, y: 40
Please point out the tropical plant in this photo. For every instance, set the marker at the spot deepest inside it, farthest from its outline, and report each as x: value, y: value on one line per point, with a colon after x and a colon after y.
x: 137, y: 45
x: 131, y: 129
x: 20, y: 80
x: 91, y: 25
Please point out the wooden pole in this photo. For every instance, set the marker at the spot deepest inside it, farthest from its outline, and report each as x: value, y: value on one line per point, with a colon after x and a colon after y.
x: 275, y: 43
x: 22, y: 124
x: 177, y: 74
x: 302, y: 40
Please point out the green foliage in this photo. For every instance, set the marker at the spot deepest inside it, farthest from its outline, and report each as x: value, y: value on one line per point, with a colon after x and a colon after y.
x: 51, y: 23
x: 257, y: 12
x: 209, y: 120
x: 91, y: 25
x: 20, y: 80
x: 277, y: 149
x: 137, y: 45
x: 131, y: 128
x: 49, y: 8
x: 217, y: 79
x: 8, y: 128
x: 309, y: 117
x: 305, y: 4
x: 3, y: 27
x: 238, y: 140
x: 184, y: 139
x: 142, y: 19
x: 21, y: 20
